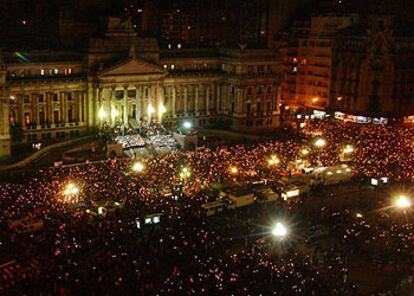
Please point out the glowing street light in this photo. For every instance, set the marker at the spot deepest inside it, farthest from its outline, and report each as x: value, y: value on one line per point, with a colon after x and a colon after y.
x: 185, y: 173
x: 319, y: 143
x: 137, y: 167
x: 71, y: 189
x: 70, y: 193
x: 274, y: 160
x: 279, y: 230
x: 187, y: 125
x: 348, y: 149
x: 403, y: 202
x: 234, y: 170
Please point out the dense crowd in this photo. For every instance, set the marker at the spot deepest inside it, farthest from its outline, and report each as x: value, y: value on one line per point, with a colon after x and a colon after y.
x: 189, y: 254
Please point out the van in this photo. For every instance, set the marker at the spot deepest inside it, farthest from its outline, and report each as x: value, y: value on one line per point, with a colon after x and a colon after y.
x: 211, y: 208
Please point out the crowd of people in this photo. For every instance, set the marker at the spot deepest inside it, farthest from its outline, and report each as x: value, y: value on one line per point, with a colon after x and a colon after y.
x: 189, y: 254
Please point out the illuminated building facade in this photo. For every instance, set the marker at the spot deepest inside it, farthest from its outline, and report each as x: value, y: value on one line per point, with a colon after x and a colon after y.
x: 124, y: 79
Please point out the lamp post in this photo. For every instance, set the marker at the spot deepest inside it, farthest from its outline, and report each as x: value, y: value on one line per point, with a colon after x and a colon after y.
x: 138, y: 167
x: 279, y: 231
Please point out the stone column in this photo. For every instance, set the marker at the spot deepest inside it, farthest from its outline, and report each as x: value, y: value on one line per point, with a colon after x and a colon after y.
x: 173, y: 107
x: 79, y: 104
x: 35, y: 108
x: 5, y: 143
x: 110, y: 105
x: 137, y: 104
x: 218, y: 98
x: 196, y: 111
x: 207, y: 99
x: 185, y: 98
x: 125, y: 107
x: 92, y: 109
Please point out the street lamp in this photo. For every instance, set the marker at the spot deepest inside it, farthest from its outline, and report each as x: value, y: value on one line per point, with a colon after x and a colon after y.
x: 70, y: 193
x: 403, y: 202
x: 305, y: 151
x: 348, y: 149
x: 185, y: 173
x: 319, y: 143
x: 187, y: 125
x: 279, y: 230
x: 234, y: 170
x: 137, y: 167
x: 274, y: 160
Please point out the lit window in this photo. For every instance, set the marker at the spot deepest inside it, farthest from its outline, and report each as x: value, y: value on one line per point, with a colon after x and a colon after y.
x: 169, y: 46
x: 139, y: 10
x: 179, y: 45
x: 172, y: 67
x: 55, y: 71
x: 42, y: 72
x: 165, y: 66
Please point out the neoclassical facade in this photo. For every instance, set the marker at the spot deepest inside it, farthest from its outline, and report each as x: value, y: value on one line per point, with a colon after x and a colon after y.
x: 123, y: 79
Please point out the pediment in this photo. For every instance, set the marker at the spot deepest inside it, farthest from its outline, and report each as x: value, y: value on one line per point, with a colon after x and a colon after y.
x: 133, y: 66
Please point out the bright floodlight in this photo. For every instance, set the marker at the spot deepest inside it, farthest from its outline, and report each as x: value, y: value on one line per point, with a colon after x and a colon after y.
x: 403, y: 202
x: 137, y: 167
x: 71, y: 189
x: 185, y: 173
x: 274, y: 160
x: 304, y: 151
x: 187, y: 124
x: 320, y: 143
x: 234, y: 170
x: 279, y: 230
x: 102, y: 114
x: 348, y: 149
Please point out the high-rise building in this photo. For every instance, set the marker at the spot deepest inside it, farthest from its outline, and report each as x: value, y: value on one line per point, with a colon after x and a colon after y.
x: 354, y: 60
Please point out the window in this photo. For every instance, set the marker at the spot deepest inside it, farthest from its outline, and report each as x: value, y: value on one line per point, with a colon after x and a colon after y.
x: 260, y: 69
x: 41, y: 98
x: 55, y: 97
x: 56, y: 116
x: 42, y: 117
x: 56, y: 71
x: 131, y: 93
x: 259, y: 107
x: 70, y: 115
x: 172, y: 67
x: 26, y: 99
x: 42, y: 72
x: 119, y: 94
x: 250, y: 69
x: 69, y: 96
x: 27, y: 119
